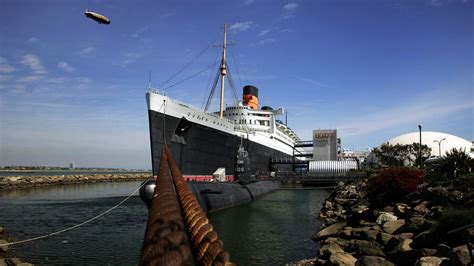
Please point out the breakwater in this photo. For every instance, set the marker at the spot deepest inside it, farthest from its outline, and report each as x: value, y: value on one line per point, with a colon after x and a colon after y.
x: 413, y: 231
x: 13, y: 182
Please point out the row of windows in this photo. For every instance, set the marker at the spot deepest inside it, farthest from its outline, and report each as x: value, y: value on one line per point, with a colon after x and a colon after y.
x: 253, y: 122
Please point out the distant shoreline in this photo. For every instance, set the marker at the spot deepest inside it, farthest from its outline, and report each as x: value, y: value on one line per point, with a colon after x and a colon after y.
x: 20, y: 182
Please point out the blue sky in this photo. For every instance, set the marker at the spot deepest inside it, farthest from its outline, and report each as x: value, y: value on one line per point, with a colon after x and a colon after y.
x: 74, y: 90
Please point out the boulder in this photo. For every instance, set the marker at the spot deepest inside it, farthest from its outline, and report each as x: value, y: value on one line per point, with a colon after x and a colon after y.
x: 385, y: 217
x: 460, y: 255
x: 339, y: 241
x: 384, y: 238
x: 373, y: 260
x: 428, y: 252
x: 431, y: 261
x: 425, y: 239
x: 364, y: 247
x: 3, y: 262
x: 328, y: 205
x: 370, y: 234
x: 405, y: 236
x: 401, y: 209
x: 331, y: 230
x: 404, y: 257
x: 342, y: 259
x: 365, y: 233
x: 1, y: 229
x: 319, y: 262
x: 417, y: 224
x: 422, y: 208
x: 443, y: 250
x: 393, y: 226
x: 329, y: 249
x: 3, y: 248
x: 436, y: 211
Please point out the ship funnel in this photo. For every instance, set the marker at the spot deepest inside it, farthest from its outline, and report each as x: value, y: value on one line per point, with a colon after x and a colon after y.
x: 250, y: 97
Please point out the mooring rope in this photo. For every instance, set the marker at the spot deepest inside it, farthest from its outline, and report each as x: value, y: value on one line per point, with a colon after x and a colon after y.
x: 74, y: 226
x: 178, y: 231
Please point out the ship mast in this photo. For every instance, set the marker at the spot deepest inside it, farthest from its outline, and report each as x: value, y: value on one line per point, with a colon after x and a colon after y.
x: 223, y: 73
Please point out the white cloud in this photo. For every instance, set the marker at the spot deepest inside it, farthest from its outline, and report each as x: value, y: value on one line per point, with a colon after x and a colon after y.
x: 5, y: 67
x: 241, y: 26
x: 87, y: 51
x: 18, y: 88
x: 65, y: 66
x: 311, y: 81
x: 129, y: 58
x: 249, y: 2
x: 291, y: 6
x: 410, y: 113
x: 32, y: 39
x: 290, y: 10
x: 140, y: 31
x: 265, y: 41
x: 436, y: 3
x: 264, y: 32
x: 33, y: 62
x: 29, y: 78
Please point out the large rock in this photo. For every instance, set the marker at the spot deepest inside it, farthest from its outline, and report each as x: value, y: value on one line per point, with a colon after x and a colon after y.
x: 329, y: 249
x: 385, y: 217
x: 384, y: 238
x: 339, y: 241
x: 425, y: 239
x: 443, y: 250
x: 422, y: 208
x: 331, y: 230
x: 403, y: 254
x: 1, y: 229
x: 373, y: 260
x: 364, y: 233
x: 3, y: 248
x: 417, y: 224
x: 401, y: 209
x: 393, y: 226
x: 342, y: 259
x: 460, y: 255
x: 364, y: 247
x: 431, y: 261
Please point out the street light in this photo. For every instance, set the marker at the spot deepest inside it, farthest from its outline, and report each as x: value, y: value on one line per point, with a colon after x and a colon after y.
x: 419, y: 152
x: 439, y: 144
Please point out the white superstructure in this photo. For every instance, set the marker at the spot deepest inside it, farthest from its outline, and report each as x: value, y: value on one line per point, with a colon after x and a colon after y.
x: 258, y: 126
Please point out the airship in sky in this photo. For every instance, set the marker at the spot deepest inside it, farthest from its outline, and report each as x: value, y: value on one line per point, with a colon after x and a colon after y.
x: 97, y: 17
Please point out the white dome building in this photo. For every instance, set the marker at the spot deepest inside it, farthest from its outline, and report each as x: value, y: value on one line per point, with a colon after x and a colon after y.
x: 432, y: 140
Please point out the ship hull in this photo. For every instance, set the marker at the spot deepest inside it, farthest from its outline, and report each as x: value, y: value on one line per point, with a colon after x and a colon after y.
x: 202, y: 150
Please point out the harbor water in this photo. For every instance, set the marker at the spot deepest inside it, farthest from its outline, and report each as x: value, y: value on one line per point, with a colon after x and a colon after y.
x: 275, y: 229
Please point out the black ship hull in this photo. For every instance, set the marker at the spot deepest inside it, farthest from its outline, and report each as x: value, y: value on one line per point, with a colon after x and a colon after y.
x: 200, y: 150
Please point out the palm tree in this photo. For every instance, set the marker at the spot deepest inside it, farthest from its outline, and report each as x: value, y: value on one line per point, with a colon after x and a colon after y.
x: 455, y: 163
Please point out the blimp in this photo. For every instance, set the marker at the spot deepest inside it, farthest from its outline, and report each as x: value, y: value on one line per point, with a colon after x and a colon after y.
x: 97, y: 17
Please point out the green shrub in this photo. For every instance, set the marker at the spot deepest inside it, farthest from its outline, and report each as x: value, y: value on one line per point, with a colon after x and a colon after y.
x: 393, y: 184
x: 451, y: 219
x: 453, y: 164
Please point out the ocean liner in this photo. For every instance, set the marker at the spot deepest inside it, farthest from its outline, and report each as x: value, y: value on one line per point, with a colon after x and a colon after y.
x: 238, y: 140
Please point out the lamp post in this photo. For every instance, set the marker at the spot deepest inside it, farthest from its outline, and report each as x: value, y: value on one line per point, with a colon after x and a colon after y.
x: 439, y: 145
x: 419, y: 152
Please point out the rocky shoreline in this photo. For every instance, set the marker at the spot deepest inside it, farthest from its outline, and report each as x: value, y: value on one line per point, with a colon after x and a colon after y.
x: 14, y: 182
x: 402, y: 233
x: 5, y: 258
